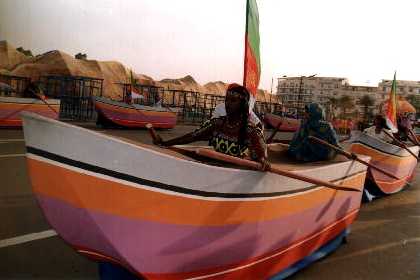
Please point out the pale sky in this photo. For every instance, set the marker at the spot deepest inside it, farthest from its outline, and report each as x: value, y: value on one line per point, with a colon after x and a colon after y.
x: 363, y: 40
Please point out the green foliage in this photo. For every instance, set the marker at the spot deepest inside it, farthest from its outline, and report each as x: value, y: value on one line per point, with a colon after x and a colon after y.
x: 366, y: 101
x: 345, y: 102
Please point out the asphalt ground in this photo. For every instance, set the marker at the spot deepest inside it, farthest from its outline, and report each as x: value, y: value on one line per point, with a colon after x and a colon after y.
x: 384, y: 242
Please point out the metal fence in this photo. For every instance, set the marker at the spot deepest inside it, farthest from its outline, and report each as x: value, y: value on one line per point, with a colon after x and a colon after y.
x: 75, y: 94
x: 13, y: 85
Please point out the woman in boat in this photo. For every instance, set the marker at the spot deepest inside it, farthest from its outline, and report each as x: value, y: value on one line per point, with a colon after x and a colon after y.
x: 233, y: 134
x: 302, y: 148
x: 377, y: 130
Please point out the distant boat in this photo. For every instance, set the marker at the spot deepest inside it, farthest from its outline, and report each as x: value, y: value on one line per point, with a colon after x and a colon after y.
x: 287, y: 124
x: 12, y: 107
x: 388, y: 157
x: 133, y: 115
x: 165, y: 215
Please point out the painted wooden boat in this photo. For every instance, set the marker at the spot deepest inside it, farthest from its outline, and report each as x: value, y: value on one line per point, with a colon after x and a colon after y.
x: 163, y: 215
x: 287, y: 124
x: 133, y: 115
x: 388, y: 157
x: 11, y: 107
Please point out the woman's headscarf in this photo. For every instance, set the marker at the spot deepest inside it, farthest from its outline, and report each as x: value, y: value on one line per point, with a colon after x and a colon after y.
x: 316, y: 114
x: 304, y: 149
x: 244, y: 110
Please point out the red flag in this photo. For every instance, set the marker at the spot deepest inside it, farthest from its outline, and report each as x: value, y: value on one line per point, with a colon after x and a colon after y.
x: 391, y: 111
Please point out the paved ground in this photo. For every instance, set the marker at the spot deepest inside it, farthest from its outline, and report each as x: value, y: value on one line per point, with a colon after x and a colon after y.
x: 384, y: 243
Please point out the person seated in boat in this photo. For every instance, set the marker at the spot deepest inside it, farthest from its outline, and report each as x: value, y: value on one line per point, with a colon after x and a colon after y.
x: 378, y: 128
x: 405, y: 129
x: 302, y: 148
x: 232, y: 134
x: 220, y: 111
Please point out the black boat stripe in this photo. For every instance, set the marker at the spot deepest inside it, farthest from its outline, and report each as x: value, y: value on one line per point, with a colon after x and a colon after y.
x: 158, y: 185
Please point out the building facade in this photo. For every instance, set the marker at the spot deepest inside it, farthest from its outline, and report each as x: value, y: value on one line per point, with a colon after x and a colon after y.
x: 296, y: 92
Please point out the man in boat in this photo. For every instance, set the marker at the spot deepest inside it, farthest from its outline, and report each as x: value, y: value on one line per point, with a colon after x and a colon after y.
x: 233, y: 134
x: 314, y: 124
x: 405, y: 129
x: 377, y: 130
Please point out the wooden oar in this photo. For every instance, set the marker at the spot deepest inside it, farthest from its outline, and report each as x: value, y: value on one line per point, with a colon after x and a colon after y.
x: 255, y: 165
x: 352, y: 156
x: 43, y: 100
x: 401, y: 144
x: 270, y: 139
x: 413, y: 137
x: 152, y: 132
x: 49, y: 106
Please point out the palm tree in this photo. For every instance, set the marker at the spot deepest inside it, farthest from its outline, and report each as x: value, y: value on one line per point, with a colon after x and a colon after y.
x: 366, y: 101
x: 345, y: 102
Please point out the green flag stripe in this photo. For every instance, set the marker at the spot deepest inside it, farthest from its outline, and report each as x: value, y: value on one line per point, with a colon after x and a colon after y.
x: 253, y: 30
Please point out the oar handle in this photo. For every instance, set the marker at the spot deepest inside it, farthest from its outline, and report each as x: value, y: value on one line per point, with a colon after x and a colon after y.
x: 255, y: 165
x: 400, y: 143
x: 339, y: 150
x: 152, y: 132
x: 352, y: 156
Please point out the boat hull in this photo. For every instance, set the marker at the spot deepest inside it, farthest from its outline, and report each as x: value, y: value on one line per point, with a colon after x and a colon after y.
x: 212, y: 222
x: 287, y: 124
x: 133, y: 116
x: 11, y: 107
x: 388, y: 157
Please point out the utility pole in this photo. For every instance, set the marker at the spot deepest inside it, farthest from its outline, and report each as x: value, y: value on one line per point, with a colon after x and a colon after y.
x: 301, y: 101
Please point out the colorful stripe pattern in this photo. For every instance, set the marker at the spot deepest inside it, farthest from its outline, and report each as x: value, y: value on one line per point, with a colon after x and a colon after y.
x: 12, y: 107
x: 138, y: 116
x: 388, y: 157
x: 162, y: 226
x: 252, y: 63
x: 391, y: 112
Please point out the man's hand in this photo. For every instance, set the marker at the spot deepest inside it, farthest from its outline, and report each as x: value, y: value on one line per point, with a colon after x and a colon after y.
x: 265, y: 165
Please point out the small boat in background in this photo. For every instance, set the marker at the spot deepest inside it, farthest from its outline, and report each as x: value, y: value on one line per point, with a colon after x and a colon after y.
x: 287, y: 124
x: 388, y: 157
x: 11, y: 107
x: 164, y: 215
x: 133, y: 115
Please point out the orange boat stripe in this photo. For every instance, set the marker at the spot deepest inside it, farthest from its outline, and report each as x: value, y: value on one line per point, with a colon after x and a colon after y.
x: 86, y: 191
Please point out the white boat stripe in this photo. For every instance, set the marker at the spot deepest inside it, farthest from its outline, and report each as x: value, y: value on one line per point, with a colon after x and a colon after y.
x: 127, y: 183
x: 12, y: 155
x: 27, y: 238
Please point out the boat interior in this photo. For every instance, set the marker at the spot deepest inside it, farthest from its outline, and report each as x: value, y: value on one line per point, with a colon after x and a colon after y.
x: 277, y: 156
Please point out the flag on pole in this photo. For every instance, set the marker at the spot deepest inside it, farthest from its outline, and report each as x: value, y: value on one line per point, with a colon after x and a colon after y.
x: 391, y: 112
x: 252, y: 64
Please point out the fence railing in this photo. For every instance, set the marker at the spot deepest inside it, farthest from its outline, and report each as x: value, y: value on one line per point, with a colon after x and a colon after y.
x: 76, y: 94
